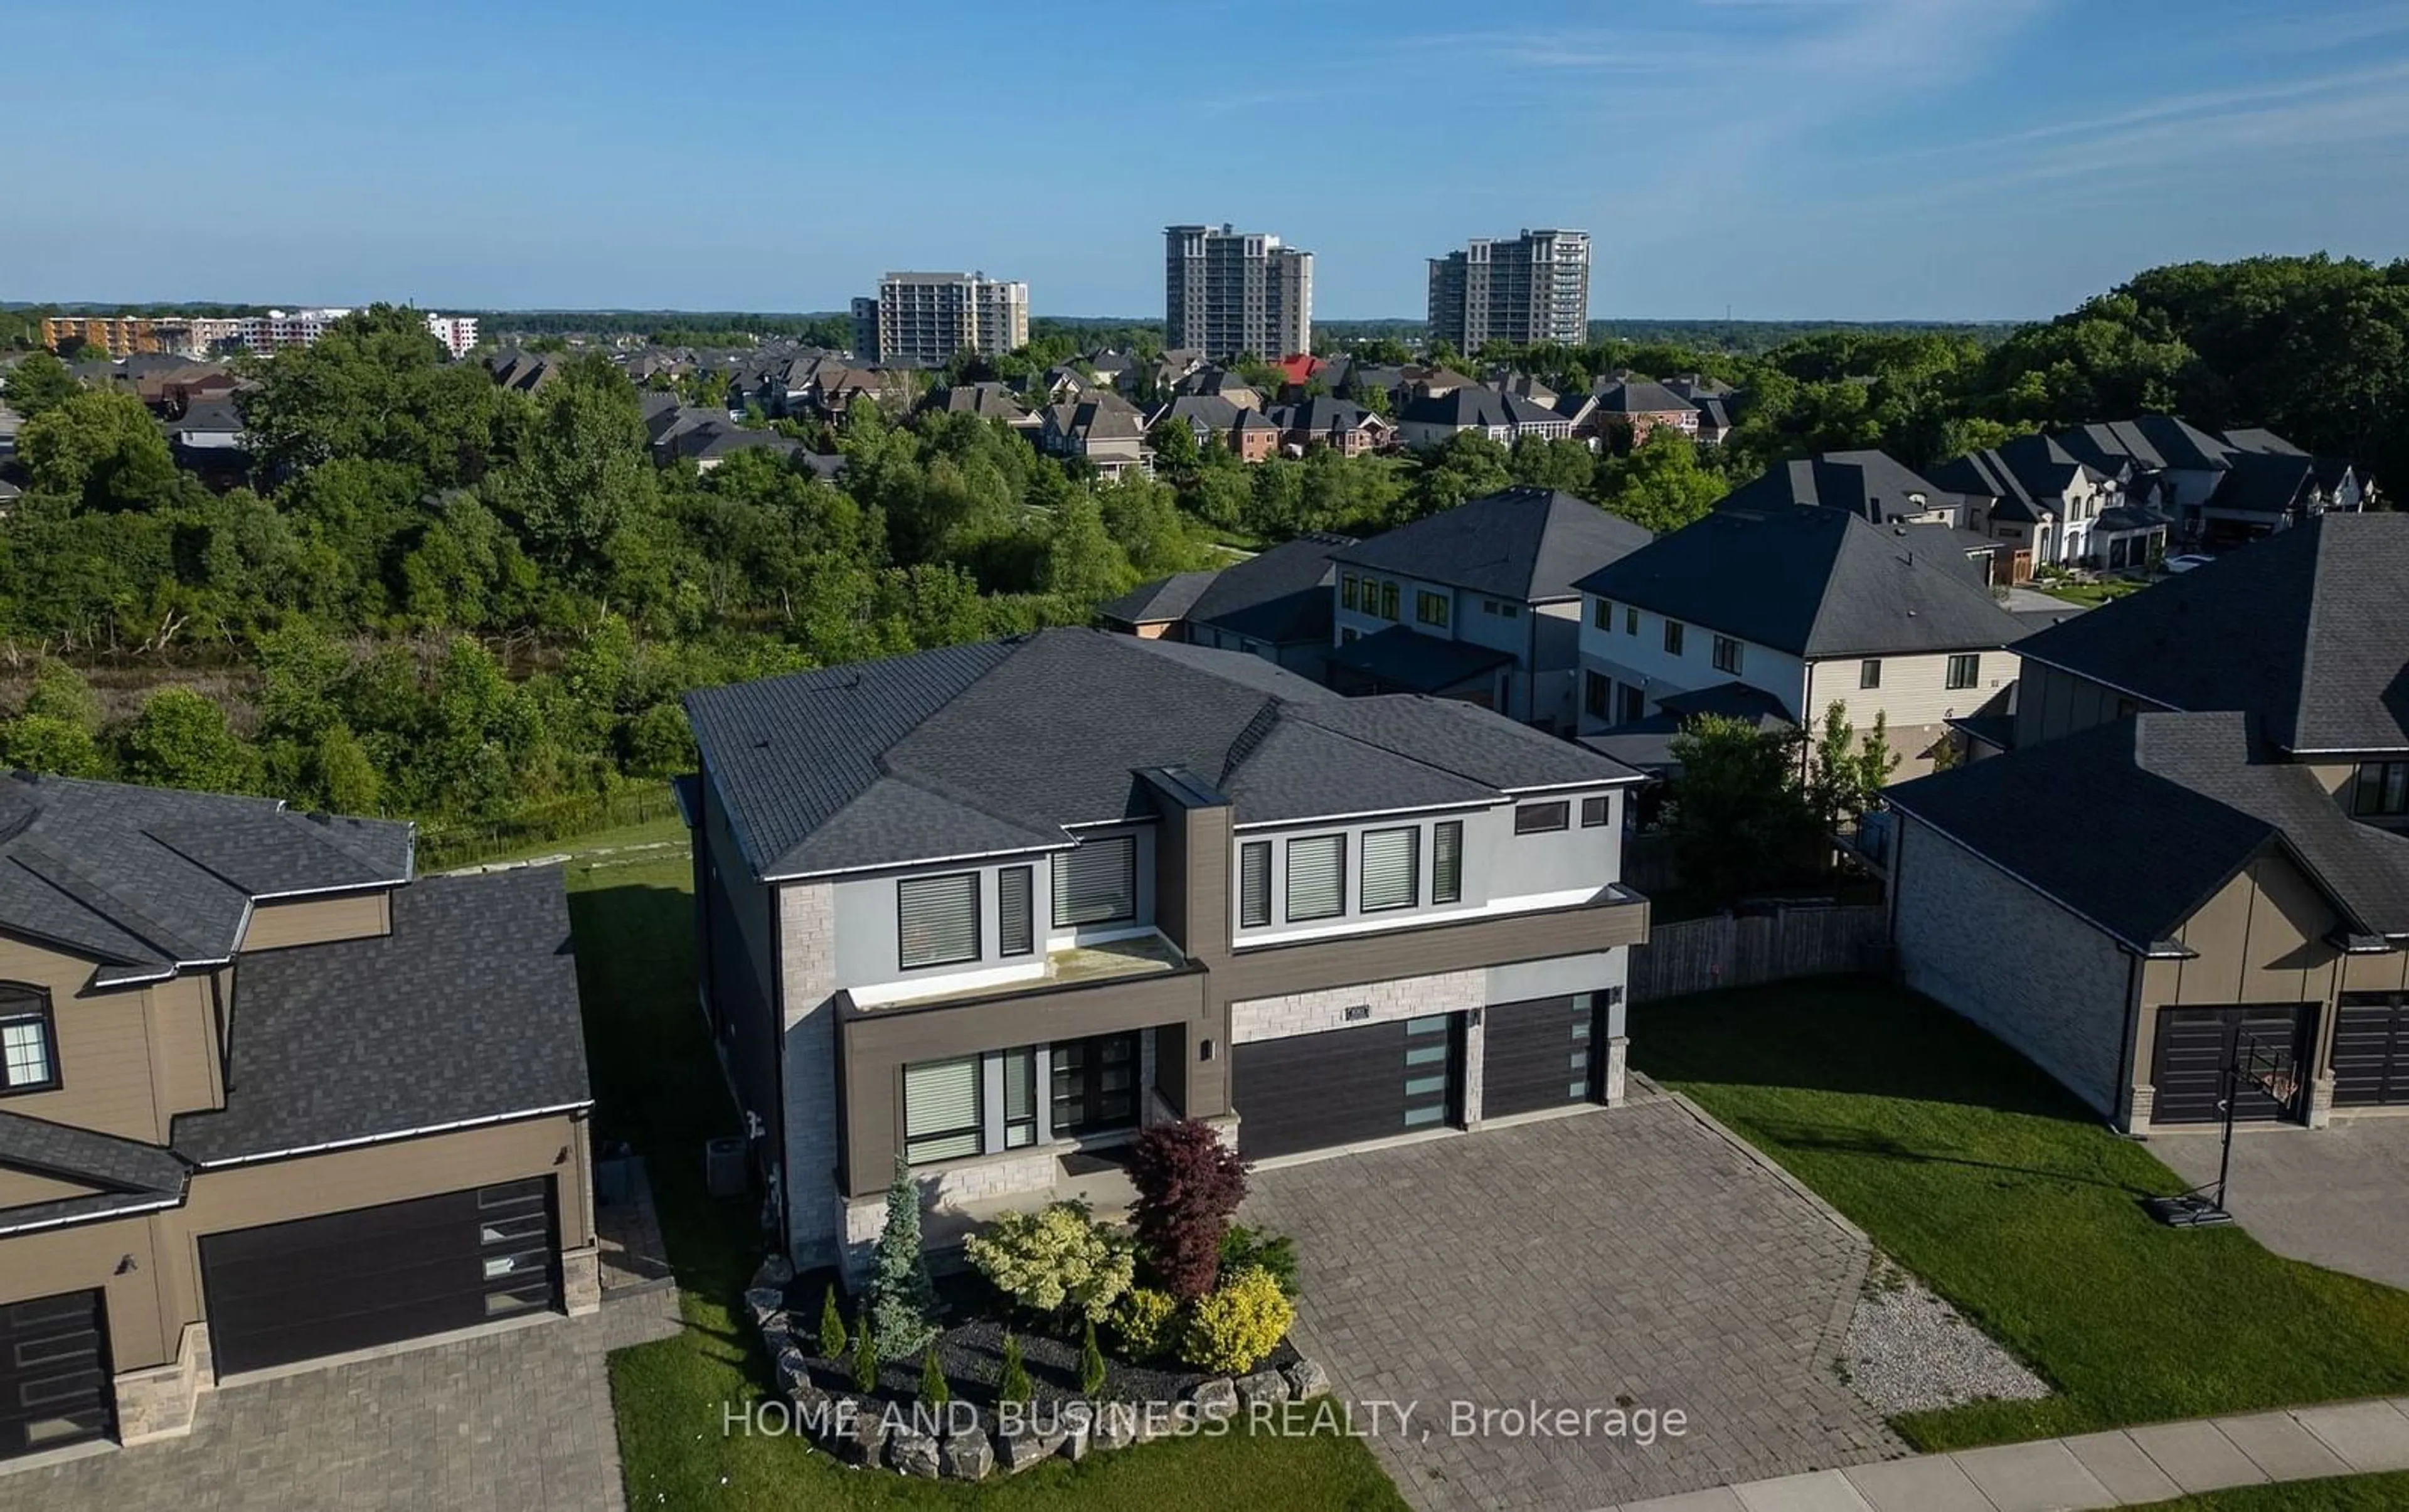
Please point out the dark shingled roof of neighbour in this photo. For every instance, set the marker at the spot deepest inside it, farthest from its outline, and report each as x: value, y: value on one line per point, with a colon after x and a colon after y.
x: 1868, y: 483
x: 1280, y: 594
x: 1812, y: 582
x: 2134, y: 825
x: 999, y: 746
x: 2302, y: 628
x: 1403, y: 658
x: 1526, y: 544
x: 467, y: 1012
x: 1640, y: 397
x: 141, y: 879
x: 1160, y: 602
x: 124, y: 1173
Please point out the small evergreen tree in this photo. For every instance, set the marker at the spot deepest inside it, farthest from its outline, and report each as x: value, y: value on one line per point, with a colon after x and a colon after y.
x: 832, y: 1340
x: 1012, y: 1382
x: 1091, y: 1362
x: 934, y: 1392
x: 865, y: 1356
x: 903, y: 1300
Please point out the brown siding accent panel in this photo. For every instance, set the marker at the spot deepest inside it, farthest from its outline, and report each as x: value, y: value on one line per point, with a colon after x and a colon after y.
x: 2196, y: 1045
x: 55, y: 1374
x: 312, y: 921
x: 2370, y: 1050
x: 1536, y: 1055
x: 346, y: 1281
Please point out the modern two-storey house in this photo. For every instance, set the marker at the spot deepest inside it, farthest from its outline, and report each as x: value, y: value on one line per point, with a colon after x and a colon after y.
x: 1808, y: 604
x: 993, y: 909
x: 1477, y: 603
x: 265, y: 1099
x: 2195, y: 844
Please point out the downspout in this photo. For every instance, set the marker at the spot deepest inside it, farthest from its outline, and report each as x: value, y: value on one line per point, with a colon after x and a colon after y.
x: 777, y: 1123
x: 1530, y: 663
x: 2122, y: 1094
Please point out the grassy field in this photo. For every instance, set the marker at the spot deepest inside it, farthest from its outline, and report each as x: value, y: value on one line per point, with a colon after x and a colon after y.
x: 2350, y: 1494
x: 658, y: 1087
x: 1989, y: 1180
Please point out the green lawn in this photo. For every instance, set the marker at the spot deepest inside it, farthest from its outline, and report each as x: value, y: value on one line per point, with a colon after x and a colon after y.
x: 2090, y: 595
x: 1983, y: 1176
x: 2349, y: 1493
x: 657, y: 1086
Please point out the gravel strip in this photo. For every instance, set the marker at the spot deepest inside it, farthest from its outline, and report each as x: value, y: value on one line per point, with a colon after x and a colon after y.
x: 1906, y: 1351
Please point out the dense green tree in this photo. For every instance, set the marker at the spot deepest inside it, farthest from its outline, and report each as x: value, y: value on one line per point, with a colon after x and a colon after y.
x: 38, y: 382
x: 1739, y: 820
x: 376, y: 387
x: 1661, y: 483
x: 182, y: 740
x: 101, y: 450
x: 580, y: 471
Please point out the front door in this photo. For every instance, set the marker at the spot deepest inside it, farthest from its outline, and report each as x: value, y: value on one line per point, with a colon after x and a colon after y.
x: 55, y: 1375
x: 1095, y: 1084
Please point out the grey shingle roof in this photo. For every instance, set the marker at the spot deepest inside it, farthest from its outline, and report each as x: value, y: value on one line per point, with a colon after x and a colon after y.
x: 143, y: 878
x: 1812, y: 582
x: 1527, y: 544
x: 1867, y: 483
x: 1280, y: 594
x: 125, y: 1175
x: 995, y: 748
x: 2172, y: 806
x: 1640, y: 397
x: 2302, y: 628
x: 1401, y: 657
x: 2148, y: 442
x: 467, y: 1011
x: 1163, y: 601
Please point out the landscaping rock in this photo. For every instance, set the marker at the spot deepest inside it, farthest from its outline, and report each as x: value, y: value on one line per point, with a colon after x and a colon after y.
x: 1074, y: 1442
x: 792, y: 1368
x: 1025, y: 1449
x: 913, y: 1453
x: 1116, y: 1425
x: 769, y: 1309
x: 1216, y: 1399
x: 775, y: 1274
x: 867, y: 1439
x: 968, y: 1456
x: 1263, y: 1386
x: 1306, y: 1378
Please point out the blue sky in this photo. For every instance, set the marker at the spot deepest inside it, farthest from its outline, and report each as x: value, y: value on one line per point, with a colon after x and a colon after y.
x: 1783, y: 158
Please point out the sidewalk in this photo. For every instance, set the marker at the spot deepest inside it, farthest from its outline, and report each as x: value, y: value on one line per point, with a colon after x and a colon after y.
x: 2126, y: 1468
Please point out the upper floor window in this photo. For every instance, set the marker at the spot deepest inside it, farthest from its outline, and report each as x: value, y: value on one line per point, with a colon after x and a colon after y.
x: 1388, y: 600
x: 1631, y: 619
x: 2382, y: 791
x: 1673, y: 638
x: 1254, y: 884
x: 1540, y: 818
x: 1317, y: 878
x: 1391, y: 868
x: 1593, y: 813
x: 1097, y: 883
x: 1726, y: 654
x: 1602, y: 614
x: 937, y: 919
x: 29, y: 1057
x: 1869, y: 672
x: 1597, y: 694
x: 1349, y: 590
x: 1016, y: 925
x: 1965, y: 670
x: 1446, y: 862
x: 1431, y: 608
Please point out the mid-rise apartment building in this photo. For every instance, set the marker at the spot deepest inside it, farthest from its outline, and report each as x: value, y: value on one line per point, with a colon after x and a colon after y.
x: 1228, y: 293
x: 458, y: 333
x: 923, y: 318
x: 1530, y: 289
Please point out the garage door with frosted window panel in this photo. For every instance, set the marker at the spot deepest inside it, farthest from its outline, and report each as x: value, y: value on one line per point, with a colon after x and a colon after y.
x: 941, y: 1110
x: 1536, y: 1055
x: 1097, y: 883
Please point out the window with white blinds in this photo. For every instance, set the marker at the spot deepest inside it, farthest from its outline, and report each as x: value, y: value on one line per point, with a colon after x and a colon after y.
x: 1391, y: 868
x: 1019, y: 1098
x: 941, y: 1110
x: 1097, y: 883
x: 1446, y: 862
x: 1317, y: 878
x: 1255, y: 883
x: 1016, y: 929
x: 937, y: 918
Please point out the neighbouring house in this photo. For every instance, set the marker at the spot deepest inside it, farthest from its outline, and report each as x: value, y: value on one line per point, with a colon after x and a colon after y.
x: 2049, y: 509
x: 267, y: 1098
x: 1811, y: 604
x: 1105, y: 429
x: 1221, y: 383
x: 1639, y: 405
x: 2149, y: 905
x: 522, y: 372
x: 993, y: 909
x: 1274, y: 604
x: 1869, y: 484
x: 2216, y: 490
x: 206, y: 425
x: 1342, y: 425
x: 1715, y: 420
x: 1429, y: 419
x: 1478, y: 603
x: 1249, y: 434
x: 987, y: 400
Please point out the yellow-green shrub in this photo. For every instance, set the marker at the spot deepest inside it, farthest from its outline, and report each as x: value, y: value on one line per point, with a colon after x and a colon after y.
x: 1145, y: 1321
x: 1052, y: 1260
x: 1232, y: 1327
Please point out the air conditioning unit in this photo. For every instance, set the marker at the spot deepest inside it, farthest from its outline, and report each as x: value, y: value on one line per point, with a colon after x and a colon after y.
x: 727, y: 1166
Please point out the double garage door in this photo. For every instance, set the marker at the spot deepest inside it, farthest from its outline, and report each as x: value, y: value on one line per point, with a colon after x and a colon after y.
x: 2370, y: 1050
x: 376, y: 1276
x: 2197, y: 1046
x: 1355, y: 1085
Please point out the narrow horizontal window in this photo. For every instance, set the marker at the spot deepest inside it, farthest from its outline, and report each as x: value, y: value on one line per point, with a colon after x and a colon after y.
x: 1540, y: 818
x: 938, y: 918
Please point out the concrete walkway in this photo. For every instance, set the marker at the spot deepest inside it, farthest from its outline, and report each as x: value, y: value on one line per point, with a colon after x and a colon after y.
x: 2131, y: 1467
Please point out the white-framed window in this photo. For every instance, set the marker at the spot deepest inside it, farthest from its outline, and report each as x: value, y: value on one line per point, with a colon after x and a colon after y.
x: 941, y: 1110
x: 936, y: 919
x: 1391, y: 868
x: 1096, y: 883
x: 1316, y: 877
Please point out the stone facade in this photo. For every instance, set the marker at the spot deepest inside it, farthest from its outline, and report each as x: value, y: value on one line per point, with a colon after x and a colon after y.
x: 1987, y: 947
x: 1315, y: 1013
x: 807, y: 964
x: 159, y: 1402
x: 581, y: 1280
x: 1618, y: 1060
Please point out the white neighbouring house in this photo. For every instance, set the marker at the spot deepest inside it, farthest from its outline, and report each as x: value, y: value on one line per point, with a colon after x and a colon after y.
x: 1807, y: 604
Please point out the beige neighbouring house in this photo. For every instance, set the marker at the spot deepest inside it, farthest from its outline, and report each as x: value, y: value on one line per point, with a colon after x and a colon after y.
x: 266, y: 1101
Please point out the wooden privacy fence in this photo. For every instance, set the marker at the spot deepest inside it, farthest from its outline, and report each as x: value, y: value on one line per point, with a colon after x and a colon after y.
x: 1738, y: 951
